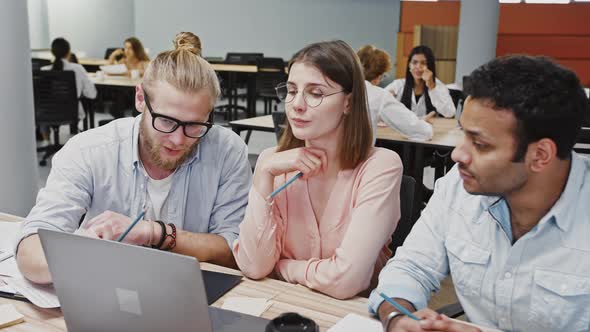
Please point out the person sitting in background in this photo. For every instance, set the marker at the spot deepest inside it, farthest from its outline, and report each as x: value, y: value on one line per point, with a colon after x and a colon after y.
x: 60, y: 48
x: 330, y: 229
x: 133, y: 56
x: 510, y: 221
x: 184, y: 172
x: 421, y: 91
x: 382, y: 105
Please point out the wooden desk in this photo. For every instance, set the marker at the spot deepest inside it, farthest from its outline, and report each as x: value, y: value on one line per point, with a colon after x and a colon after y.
x: 324, y: 310
x: 115, y: 81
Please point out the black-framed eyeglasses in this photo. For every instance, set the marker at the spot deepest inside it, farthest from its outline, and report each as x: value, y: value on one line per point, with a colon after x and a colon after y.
x: 312, y: 99
x: 166, y: 124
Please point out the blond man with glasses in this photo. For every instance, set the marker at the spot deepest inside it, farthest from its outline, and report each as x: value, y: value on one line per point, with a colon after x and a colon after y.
x: 189, y: 176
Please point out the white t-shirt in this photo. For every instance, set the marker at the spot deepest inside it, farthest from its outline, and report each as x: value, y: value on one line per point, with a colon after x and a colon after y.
x: 157, y: 196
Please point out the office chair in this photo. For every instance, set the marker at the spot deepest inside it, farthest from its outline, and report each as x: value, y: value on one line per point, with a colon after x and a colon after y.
x: 56, y: 104
x: 406, y: 221
x: 271, y: 72
x: 37, y: 63
x: 279, y: 119
x: 110, y: 50
x: 456, y: 95
x: 231, y: 81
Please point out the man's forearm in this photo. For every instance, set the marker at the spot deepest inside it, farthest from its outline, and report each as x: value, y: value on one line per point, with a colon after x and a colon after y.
x: 31, y: 260
x: 205, y: 247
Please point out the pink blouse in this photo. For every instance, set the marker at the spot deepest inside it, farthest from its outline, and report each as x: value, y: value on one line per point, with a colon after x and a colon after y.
x: 341, y: 253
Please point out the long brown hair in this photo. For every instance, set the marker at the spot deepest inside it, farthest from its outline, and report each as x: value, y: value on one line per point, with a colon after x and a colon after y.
x: 138, y: 49
x: 338, y: 62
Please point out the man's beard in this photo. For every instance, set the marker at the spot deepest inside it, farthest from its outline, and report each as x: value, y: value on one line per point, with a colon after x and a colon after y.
x: 154, y: 148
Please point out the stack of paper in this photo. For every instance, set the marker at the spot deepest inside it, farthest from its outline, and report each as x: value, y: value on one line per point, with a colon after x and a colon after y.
x: 9, y: 316
x: 247, y: 305
x: 40, y: 295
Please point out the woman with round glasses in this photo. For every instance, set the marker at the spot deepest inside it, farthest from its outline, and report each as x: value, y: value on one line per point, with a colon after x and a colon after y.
x: 382, y: 105
x: 421, y: 91
x: 330, y: 229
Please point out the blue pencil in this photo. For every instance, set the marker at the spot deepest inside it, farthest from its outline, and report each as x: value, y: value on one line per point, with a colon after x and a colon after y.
x: 399, y: 307
x: 279, y: 189
x: 131, y: 226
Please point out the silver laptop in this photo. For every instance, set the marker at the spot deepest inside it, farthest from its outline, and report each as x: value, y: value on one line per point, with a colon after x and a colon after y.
x: 111, y: 286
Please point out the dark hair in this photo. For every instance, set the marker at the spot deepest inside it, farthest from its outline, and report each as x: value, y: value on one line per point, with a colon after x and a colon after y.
x: 338, y: 62
x: 546, y: 99
x: 59, y: 48
x: 137, y: 48
x: 409, y: 85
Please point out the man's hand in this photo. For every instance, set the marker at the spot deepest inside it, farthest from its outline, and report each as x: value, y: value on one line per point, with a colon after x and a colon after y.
x: 407, y: 324
x: 110, y: 225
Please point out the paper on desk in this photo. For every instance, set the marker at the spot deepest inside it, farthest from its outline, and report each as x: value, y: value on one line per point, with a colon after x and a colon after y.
x: 114, y: 69
x: 247, y: 305
x: 8, y: 268
x: 353, y: 322
x: 5, y: 288
x: 40, y: 295
x: 8, y: 232
x: 9, y: 316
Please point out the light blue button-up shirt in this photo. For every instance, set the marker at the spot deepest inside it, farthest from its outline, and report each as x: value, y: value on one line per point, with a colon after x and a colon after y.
x: 99, y: 170
x: 539, y: 283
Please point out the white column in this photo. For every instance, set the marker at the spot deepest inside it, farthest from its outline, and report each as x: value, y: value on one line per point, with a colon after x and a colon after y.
x: 478, y: 31
x: 18, y: 164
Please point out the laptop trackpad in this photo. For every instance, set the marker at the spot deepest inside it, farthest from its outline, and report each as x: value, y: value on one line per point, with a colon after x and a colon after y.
x: 231, y: 321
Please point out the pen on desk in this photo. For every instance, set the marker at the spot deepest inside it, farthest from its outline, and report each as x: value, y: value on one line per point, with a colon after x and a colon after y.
x: 13, y: 296
x: 279, y: 189
x: 399, y: 307
x: 131, y: 226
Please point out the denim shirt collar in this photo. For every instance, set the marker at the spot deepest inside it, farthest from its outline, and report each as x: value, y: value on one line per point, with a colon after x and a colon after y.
x: 560, y: 212
x: 135, y: 146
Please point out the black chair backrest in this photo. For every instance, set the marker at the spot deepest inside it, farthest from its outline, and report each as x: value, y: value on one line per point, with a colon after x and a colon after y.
x: 108, y: 52
x: 279, y: 119
x: 273, y: 63
x: 55, y: 96
x: 236, y: 58
x: 271, y: 72
x: 456, y: 95
x: 39, y: 63
x: 406, y: 221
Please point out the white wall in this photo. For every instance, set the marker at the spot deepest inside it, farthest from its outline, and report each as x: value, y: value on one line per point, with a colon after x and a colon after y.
x: 18, y: 168
x: 274, y: 27
x: 38, y: 23
x: 91, y: 25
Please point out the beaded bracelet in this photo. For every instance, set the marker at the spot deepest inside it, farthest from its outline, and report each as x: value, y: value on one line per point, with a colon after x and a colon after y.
x: 162, y: 235
x: 172, y: 237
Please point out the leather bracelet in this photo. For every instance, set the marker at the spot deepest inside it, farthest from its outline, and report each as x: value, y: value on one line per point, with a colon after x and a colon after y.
x: 172, y: 237
x: 390, y: 318
x: 162, y: 235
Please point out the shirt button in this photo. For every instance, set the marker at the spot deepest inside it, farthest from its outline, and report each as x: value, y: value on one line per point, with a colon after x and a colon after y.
x: 507, y: 275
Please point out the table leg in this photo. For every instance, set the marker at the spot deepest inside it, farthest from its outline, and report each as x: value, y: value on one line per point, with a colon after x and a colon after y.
x: 419, y: 177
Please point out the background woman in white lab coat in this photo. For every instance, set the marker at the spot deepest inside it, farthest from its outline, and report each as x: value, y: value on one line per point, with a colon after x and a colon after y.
x: 382, y: 105
x: 421, y: 91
